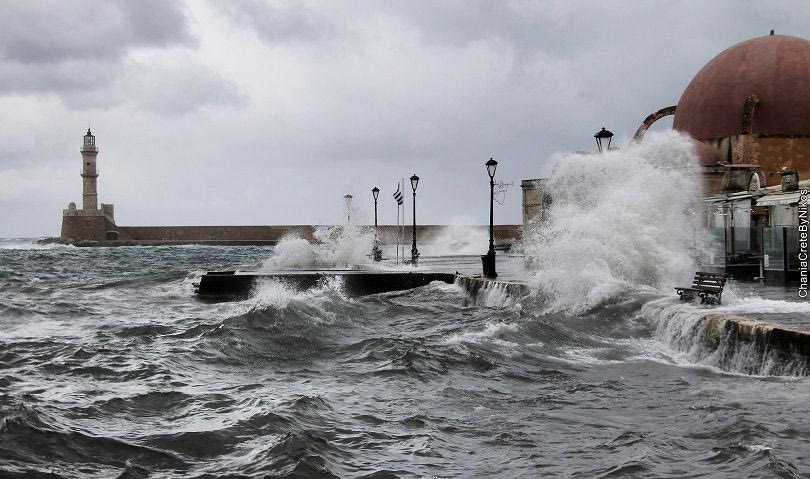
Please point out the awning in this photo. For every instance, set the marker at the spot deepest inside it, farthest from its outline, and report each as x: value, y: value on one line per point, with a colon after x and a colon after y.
x: 779, y: 199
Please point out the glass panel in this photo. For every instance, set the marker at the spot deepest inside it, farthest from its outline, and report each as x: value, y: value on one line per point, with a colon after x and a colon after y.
x: 772, y: 248
x: 793, y: 248
x: 717, y: 247
x: 742, y: 226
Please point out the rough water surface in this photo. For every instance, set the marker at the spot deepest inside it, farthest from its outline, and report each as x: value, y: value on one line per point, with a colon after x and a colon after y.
x: 110, y: 367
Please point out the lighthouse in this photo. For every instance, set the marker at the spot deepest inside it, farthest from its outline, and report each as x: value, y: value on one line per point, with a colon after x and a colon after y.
x: 89, y: 172
x: 92, y: 223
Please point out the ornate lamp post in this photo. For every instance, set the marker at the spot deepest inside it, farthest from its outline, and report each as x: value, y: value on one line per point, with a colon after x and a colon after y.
x: 376, y: 254
x: 602, y: 136
x: 414, y: 251
x: 488, y: 259
x: 348, y: 199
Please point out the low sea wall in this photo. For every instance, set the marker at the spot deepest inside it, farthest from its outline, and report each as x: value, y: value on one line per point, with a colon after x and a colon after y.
x: 750, y: 346
x: 479, y: 286
x: 731, y: 342
x: 269, y: 235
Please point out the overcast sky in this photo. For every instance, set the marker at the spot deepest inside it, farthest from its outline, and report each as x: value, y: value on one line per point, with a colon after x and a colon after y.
x: 268, y: 112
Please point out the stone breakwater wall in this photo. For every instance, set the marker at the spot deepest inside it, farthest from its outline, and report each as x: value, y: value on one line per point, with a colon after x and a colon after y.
x: 269, y: 235
x: 756, y: 347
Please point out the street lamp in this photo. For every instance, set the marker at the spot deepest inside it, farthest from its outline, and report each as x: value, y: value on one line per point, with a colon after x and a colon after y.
x: 414, y: 251
x: 488, y: 259
x: 348, y: 199
x: 376, y: 254
x: 601, y: 136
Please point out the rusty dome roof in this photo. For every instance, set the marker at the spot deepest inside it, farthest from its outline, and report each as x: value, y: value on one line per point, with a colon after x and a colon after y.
x: 775, y: 67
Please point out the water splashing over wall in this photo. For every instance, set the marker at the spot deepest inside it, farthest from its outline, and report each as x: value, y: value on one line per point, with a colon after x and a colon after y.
x: 618, y: 221
x: 334, y: 247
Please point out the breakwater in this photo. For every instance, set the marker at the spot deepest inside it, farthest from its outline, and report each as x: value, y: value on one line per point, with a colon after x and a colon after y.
x: 731, y: 342
x: 270, y: 235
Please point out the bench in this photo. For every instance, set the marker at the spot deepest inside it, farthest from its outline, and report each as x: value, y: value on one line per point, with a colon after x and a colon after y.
x: 709, y: 286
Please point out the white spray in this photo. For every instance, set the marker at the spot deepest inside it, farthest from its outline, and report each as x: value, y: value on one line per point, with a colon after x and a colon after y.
x: 618, y: 221
x: 334, y: 247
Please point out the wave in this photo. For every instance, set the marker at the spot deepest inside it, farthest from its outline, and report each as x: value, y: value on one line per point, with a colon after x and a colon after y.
x: 618, y: 221
x: 28, y: 437
x: 30, y: 243
x: 334, y: 247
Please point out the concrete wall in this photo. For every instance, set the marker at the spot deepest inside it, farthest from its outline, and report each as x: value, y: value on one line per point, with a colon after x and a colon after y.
x: 536, y: 201
x: 84, y: 225
x: 770, y: 152
x: 775, y: 152
x: 272, y: 234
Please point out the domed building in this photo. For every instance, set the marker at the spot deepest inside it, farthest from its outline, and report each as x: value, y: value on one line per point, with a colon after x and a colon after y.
x: 750, y: 104
x: 748, y: 111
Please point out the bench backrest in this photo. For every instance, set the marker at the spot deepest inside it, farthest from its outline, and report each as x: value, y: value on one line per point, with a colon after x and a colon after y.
x: 709, y: 280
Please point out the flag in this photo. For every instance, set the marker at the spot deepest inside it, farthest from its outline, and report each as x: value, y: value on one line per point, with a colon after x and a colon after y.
x: 398, y: 195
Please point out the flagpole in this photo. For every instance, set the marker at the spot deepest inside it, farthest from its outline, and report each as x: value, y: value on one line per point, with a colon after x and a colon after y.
x: 396, y: 232
x: 403, y: 220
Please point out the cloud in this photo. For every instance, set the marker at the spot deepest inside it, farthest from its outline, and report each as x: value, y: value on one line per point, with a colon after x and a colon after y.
x: 178, y: 86
x: 39, y: 31
x: 195, y: 104
x: 84, y: 52
x: 277, y: 21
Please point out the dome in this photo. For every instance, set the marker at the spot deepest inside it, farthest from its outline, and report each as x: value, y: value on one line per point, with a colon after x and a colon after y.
x: 775, y: 67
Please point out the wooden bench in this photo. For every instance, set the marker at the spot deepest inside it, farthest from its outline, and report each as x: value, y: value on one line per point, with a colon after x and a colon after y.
x: 709, y: 286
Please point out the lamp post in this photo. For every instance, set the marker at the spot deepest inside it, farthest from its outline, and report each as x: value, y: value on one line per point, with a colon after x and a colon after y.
x: 376, y: 254
x: 348, y: 199
x: 488, y: 259
x: 414, y: 251
x: 601, y: 136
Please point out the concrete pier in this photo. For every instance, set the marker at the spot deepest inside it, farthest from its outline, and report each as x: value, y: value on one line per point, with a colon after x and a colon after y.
x: 235, y: 285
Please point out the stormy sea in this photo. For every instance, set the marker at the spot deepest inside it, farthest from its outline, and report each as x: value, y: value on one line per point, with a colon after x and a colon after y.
x: 110, y: 366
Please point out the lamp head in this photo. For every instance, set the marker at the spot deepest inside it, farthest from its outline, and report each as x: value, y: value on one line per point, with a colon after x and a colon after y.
x: 603, y: 136
x: 491, y: 166
x: 376, y: 192
x: 414, y: 182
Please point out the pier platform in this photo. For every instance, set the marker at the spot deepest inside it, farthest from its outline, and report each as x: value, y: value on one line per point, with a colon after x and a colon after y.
x: 236, y: 284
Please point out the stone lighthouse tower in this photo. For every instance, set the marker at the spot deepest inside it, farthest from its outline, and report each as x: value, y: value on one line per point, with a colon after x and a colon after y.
x: 89, y: 172
x: 90, y: 224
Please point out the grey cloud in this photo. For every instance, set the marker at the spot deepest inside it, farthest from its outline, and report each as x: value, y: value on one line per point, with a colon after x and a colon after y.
x: 163, y: 89
x: 344, y: 96
x: 178, y: 89
x: 277, y: 21
x: 36, y: 31
x: 78, y: 50
x: 65, y: 77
